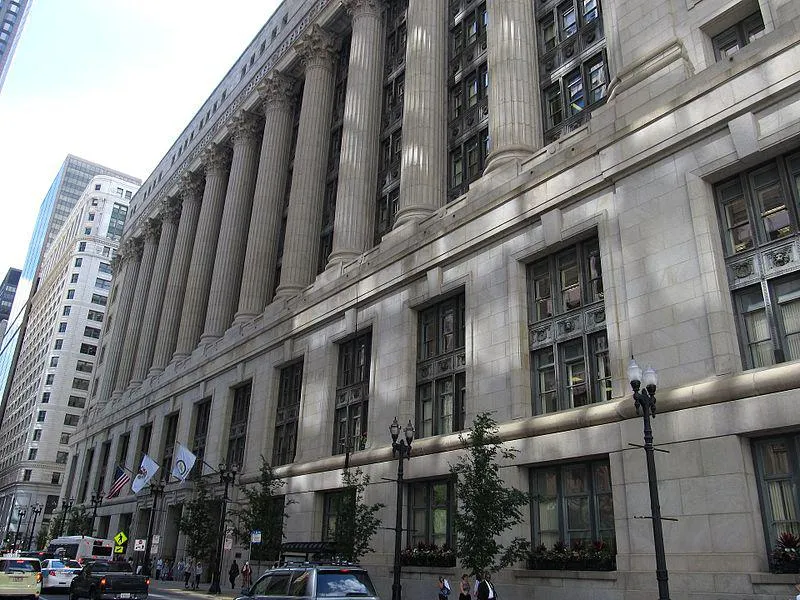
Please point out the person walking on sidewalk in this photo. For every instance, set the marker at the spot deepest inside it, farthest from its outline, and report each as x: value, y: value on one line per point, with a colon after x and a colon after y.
x: 198, y: 571
x: 233, y: 573
x: 247, y: 574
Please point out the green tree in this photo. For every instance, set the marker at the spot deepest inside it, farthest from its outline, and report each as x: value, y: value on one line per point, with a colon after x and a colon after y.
x: 198, y: 523
x: 79, y: 521
x: 356, y: 522
x: 42, y: 538
x: 265, y: 511
x: 487, y: 506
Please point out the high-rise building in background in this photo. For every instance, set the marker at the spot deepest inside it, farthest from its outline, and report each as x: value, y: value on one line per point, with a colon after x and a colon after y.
x: 8, y: 289
x: 426, y: 210
x: 12, y: 19
x: 48, y: 393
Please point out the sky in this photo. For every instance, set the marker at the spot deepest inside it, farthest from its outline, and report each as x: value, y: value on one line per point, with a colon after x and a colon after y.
x: 111, y: 81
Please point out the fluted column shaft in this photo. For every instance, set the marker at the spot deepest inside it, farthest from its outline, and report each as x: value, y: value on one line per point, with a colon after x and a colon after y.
x: 513, y: 99
x: 226, y: 281
x: 198, y: 283
x: 191, y: 194
x: 265, y: 220
x: 158, y: 284
x: 423, y: 175
x: 131, y: 261
x: 361, y: 130
x: 131, y: 341
x: 304, y: 219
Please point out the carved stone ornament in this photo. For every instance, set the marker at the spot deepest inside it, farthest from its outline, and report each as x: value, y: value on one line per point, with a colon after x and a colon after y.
x: 133, y: 248
x: 192, y: 185
x: 742, y: 270
x: 217, y: 158
x: 277, y: 89
x: 317, y: 47
x: 781, y: 258
x: 356, y: 8
x: 246, y: 127
x: 171, y: 208
x: 152, y: 229
x: 116, y: 262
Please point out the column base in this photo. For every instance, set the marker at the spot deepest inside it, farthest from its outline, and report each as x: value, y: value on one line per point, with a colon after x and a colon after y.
x: 154, y: 371
x: 339, y: 257
x: 240, y: 318
x: 507, y: 155
x: 208, y: 338
x: 285, y: 292
x: 412, y: 214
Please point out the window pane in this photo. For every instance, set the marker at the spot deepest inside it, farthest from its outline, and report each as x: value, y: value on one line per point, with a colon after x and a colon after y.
x: 787, y: 294
x: 602, y: 365
x: 426, y: 409
x: 597, y: 82
x: 759, y: 341
x: 776, y: 458
x: 548, y: 29
x: 568, y: 24
x: 740, y: 236
x: 548, y: 396
x: 576, y: 101
x: 569, y: 278
x: 575, y: 371
x: 445, y: 393
x: 543, y: 294
x: 555, y: 111
x: 589, y: 10
x: 772, y: 204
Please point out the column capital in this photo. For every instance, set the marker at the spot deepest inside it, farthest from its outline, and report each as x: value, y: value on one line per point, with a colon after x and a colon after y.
x: 192, y: 186
x: 246, y: 126
x: 357, y: 8
x: 116, y: 263
x: 171, y: 207
x: 277, y: 89
x: 317, y: 47
x: 133, y: 248
x: 216, y: 158
x: 152, y: 229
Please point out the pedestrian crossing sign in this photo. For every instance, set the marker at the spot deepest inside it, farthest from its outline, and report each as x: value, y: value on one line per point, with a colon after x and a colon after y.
x: 120, y: 538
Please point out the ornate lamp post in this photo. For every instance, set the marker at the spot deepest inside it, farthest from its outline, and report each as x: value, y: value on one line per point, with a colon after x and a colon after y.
x: 97, y: 500
x: 401, y: 449
x: 36, y: 510
x: 21, y: 514
x: 645, y: 403
x: 227, y: 475
x: 156, y: 490
x: 66, y: 505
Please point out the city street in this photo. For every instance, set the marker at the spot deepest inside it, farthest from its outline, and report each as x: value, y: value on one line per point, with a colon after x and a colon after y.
x: 160, y: 590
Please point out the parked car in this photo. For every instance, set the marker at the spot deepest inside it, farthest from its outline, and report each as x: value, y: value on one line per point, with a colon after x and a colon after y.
x: 20, y: 576
x: 56, y: 574
x: 313, y: 581
x: 107, y: 580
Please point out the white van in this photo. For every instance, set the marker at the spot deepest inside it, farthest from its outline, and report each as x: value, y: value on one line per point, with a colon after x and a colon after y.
x: 82, y: 548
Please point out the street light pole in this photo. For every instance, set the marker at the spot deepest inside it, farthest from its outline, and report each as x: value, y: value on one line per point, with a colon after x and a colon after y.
x: 97, y: 500
x: 21, y: 514
x: 645, y: 403
x: 227, y: 475
x: 66, y: 505
x: 401, y: 449
x: 37, y: 508
x: 156, y: 490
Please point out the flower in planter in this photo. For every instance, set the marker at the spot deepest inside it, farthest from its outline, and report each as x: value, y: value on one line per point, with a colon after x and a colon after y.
x: 428, y: 555
x: 786, y: 554
x: 579, y: 556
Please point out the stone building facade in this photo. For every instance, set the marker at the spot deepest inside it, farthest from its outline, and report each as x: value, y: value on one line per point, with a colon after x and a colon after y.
x: 429, y: 209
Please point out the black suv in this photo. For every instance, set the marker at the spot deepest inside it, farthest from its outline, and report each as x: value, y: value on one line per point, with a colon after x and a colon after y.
x: 312, y: 581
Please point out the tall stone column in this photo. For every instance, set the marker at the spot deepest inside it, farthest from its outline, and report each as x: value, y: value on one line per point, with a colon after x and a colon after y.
x: 191, y: 195
x: 423, y: 175
x: 170, y: 213
x: 131, y: 254
x: 304, y: 219
x: 514, y: 107
x: 198, y: 282
x: 226, y: 281
x: 152, y: 231
x: 277, y: 92
x: 361, y: 131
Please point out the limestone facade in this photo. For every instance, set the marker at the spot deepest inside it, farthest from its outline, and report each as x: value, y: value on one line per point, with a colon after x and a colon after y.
x: 578, y: 183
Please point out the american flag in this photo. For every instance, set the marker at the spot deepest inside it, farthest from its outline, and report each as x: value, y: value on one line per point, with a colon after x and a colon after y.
x: 121, y: 479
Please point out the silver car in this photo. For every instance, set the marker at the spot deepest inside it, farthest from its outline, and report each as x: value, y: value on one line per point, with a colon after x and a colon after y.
x: 311, y: 581
x: 56, y: 574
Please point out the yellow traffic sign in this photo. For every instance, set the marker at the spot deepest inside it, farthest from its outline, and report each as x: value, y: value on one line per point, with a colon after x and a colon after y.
x: 120, y: 538
x: 119, y: 549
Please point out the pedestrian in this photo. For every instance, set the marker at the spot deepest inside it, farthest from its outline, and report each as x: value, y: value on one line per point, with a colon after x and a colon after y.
x: 198, y: 571
x: 180, y: 568
x: 444, y: 588
x: 247, y: 574
x: 486, y: 588
x: 464, y: 588
x: 187, y: 575
x: 159, y: 567
x: 233, y: 573
x: 797, y: 588
x: 478, y: 579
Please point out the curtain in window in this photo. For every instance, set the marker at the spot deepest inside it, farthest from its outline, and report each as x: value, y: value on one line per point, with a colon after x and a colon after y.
x: 790, y: 311
x: 758, y: 332
x: 783, y: 502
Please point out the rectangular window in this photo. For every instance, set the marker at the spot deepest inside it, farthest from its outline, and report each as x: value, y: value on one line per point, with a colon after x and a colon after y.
x: 758, y: 213
x: 66, y: 311
x: 202, y: 414
x: 145, y: 433
x: 81, y: 246
x: 73, y: 278
x: 71, y: 420
x: 53, y: 361
x: 64, y: 440
x: 49, y: 379
x: 572, y: 503
x: 237, y: 434
x: 26, y: 475
x: 95, y: 315
x: 79, y: 383
x: 441, y: 360
x: 431, y: 509
x: 55, y: 478
x: 352, y: 395
x: 100, y: 478
x: 92, y: 332
x: 288, y: 413
x: 102, y: 284
x: 170, y: 435
x: 40, y: 417
x: 89, y: 349
x: 105, y: 268
x: 122, y: 449
x: 37, y: 435
x: 59, y: 344
x: 91, y: 217
x: 62, y: 327
x: 98, y: 299
x: 32, y: 454
x: 78, y: 261
x: 737, y: 36
x: 778, y: 469
x: 570, y: 365
x: 84, y: 366
x: 70, y: 294
x: 45, y: 397
x: 76, y: 402
x: 117, y: 221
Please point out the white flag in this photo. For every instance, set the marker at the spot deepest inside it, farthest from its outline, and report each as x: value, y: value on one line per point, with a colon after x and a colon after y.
x: 184, y: 461
x: 145, y: 474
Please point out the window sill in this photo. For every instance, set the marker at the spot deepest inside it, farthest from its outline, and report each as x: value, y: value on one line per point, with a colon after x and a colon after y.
x: 557, y: 574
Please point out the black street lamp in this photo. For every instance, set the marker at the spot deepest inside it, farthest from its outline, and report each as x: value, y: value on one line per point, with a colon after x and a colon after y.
x: 156, y: 490
x: 97, y: 500
x: 66, y: 505
x: 647, y: 400
x: 37, y: 509
x: 227, y: 475
x: 401, y: 449
x: 21, y: 514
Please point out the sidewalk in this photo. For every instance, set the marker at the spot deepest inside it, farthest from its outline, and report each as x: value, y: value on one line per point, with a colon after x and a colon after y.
x: 176, y: 587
